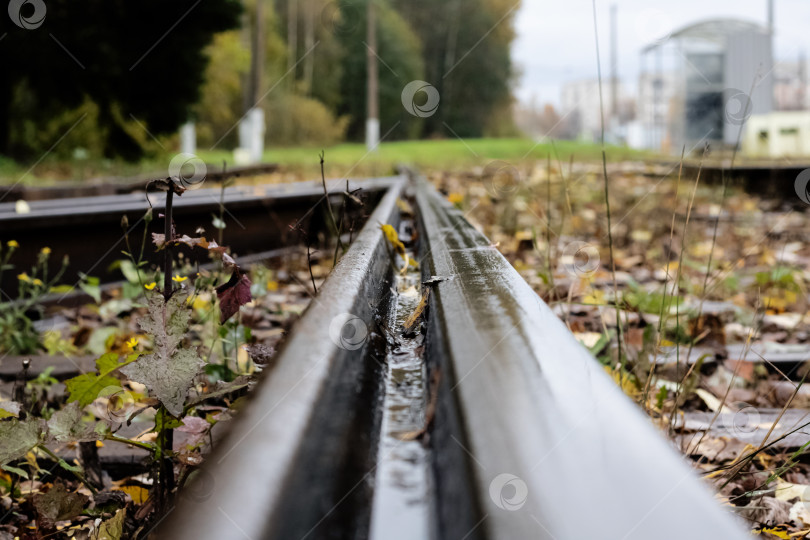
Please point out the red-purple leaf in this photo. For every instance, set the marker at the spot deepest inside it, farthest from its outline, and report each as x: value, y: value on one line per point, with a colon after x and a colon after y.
x: 233, y: 294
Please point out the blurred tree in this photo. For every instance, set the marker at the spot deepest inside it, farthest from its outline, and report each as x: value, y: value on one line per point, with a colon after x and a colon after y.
x: 292, y: 116
x: 138, y: 63
x: 314, y: 53
x: 466, y: 49
x: 400, y: 62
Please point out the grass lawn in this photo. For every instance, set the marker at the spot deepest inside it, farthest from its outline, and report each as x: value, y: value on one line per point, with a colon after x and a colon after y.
x: 347, y: 159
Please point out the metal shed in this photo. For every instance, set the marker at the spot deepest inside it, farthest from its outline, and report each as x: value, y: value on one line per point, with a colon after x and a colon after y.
x: 700, y: 84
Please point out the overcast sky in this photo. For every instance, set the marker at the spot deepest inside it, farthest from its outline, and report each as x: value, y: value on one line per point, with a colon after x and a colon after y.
x: 555, y: 40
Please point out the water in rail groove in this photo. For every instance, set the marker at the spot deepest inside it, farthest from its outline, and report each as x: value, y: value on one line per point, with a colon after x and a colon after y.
x: 402, y: 488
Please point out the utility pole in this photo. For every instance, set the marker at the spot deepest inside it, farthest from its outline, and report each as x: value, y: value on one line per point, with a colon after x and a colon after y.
x: 292, y: 35
x: 252, y: 126
x: 309, y: 42
x: 257, y: 56
x: 372, y: 98
x: 614, y: 67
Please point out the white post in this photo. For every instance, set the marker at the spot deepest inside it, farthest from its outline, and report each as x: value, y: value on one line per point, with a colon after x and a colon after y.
x: 251, y: 138
x: 372, y: 133
x: 188, y: 138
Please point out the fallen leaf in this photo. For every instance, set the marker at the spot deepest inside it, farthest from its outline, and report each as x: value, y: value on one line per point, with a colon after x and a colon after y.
x: 233, y: 294
x: 58, y: 504
x: 113, y: 528
x: 393, y: 239
x: 138, y: 494
x: 417, y: 313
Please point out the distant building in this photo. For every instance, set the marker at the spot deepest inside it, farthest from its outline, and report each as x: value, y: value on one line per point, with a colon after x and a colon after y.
x: 783, y: 134
x: 580, y: 105
x: 790, y: 86
x: 699, y: 84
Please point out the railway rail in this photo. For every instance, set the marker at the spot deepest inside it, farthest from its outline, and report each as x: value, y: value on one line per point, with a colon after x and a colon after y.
x: 118, y: 186
x: 89, y: 229
x: 491, y: 421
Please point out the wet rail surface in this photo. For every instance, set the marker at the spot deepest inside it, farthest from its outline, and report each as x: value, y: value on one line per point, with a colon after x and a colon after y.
x: 517, y: 432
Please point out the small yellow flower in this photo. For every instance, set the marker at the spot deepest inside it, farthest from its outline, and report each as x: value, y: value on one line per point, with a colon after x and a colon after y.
x: 132, y: 343
x: 200, y: 303
x: 178, y: 279
x: 23, y: 277
x: 46, y: 250
x: 455, y: 198
x: 13, y: 244
x: 38, y: 282
x: 150, y: 286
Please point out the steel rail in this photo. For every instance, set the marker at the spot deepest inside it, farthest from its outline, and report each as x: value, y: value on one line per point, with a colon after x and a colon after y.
x: 521, y: 397
x: 89, y: 229
x: 301, y: 447
x: 530, y: 437
x: 113, y: 186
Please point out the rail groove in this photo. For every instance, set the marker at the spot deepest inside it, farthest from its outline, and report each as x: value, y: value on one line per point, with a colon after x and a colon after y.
x: 528, y: 437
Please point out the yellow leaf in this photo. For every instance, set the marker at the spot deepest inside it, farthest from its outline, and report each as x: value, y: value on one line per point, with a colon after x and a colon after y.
x: 393, y: 239
x: 272, y: 285
x: 596, y: 297
x: 137, y: 493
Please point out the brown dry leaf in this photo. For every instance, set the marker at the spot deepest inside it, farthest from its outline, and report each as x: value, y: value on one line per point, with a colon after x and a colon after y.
x: 417, y: 313
x: 233, y: 294
x: 58, y: 504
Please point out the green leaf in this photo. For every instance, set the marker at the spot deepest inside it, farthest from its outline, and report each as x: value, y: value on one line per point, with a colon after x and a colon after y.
x: 162, y: 422
x: 68, y: 467
x: 113, y: 528
x: 130, y: 271
x: 9, y: 408
x: 85, y: 388
x: 169, y: 371
x: 18, y: 437
x: 16, y: 470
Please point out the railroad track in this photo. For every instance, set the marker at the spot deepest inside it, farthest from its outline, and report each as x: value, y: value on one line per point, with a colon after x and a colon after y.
x: 773, y: 181
x: 89, y: 229
x: 490, y: 422
x: 118, y: 186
